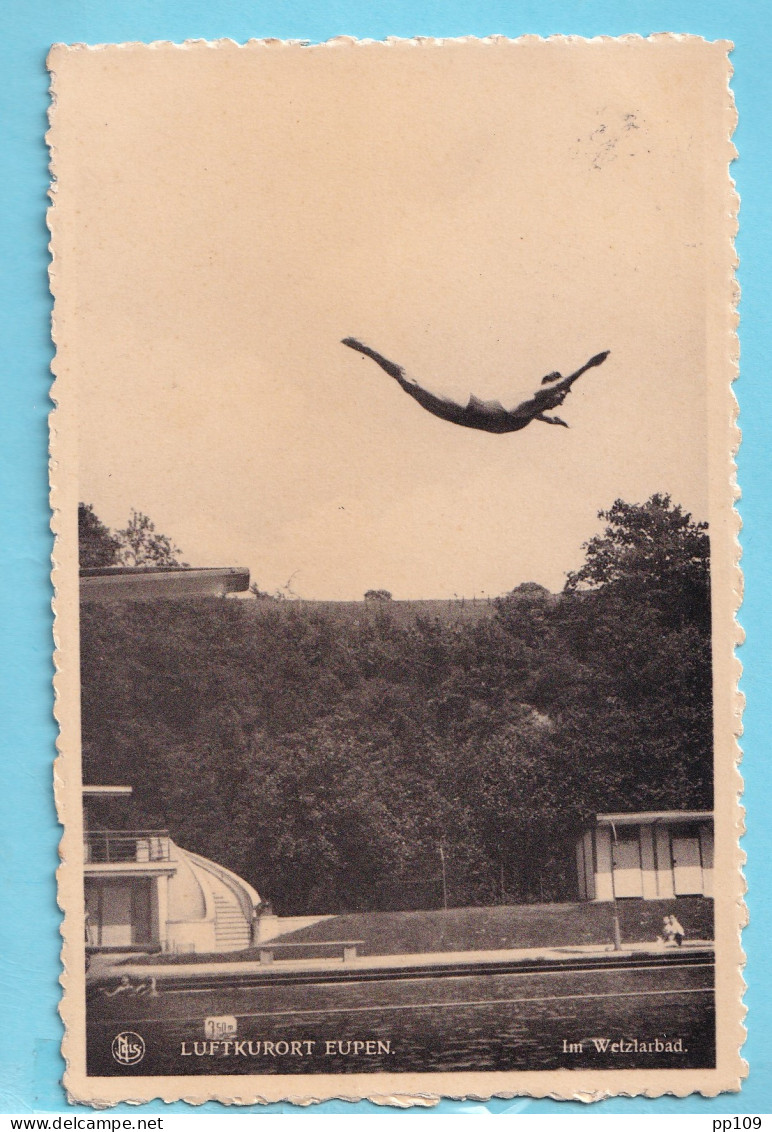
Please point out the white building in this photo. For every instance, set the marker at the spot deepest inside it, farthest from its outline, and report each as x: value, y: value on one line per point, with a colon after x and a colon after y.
x: 144, y: 893
x: 652, y: 856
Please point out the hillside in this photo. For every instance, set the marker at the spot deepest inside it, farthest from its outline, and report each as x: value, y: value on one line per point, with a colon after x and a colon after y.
x: 448, y: 612
x: 327, y: 752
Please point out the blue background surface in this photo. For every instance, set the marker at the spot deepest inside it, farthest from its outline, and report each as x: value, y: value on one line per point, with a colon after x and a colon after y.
x: 30, y: 1030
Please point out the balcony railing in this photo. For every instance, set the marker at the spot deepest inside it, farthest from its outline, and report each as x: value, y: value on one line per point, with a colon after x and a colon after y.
x: 115, y: 846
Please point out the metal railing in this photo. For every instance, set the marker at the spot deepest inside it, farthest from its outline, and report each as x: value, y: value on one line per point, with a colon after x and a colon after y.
x: 113, y: 846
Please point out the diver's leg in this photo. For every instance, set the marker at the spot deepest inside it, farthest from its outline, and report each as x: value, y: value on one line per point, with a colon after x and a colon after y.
x: 391, y: 368
x: 550, y: 420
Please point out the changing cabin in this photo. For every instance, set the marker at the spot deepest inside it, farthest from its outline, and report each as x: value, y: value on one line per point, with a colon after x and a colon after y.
x: 651, y: 856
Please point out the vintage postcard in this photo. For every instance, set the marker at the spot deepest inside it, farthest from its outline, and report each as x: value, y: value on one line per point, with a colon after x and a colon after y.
x: 396, y: 568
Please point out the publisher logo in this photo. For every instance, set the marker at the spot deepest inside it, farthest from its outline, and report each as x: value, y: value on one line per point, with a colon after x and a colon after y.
x: 128, y: 1048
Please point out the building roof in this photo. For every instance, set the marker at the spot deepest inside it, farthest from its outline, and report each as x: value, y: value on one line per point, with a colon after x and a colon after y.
x: 146, y: 583
x: 106, y: 791
x: 654, y: 817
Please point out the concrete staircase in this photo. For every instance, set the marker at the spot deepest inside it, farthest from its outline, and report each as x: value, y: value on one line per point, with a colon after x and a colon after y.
x: 231, y: 931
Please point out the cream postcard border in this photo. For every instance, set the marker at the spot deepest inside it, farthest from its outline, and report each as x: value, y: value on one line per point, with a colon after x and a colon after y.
x: 404, y: 1089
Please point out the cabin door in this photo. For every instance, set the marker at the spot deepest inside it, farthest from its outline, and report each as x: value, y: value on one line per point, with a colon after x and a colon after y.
x: 687, y: 866
x: 142, y: 911
x: 120, y: 911
x: 115, y: 913
x: 626, y: 859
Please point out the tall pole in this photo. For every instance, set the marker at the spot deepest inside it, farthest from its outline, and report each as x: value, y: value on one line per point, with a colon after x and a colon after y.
x: 444, y: 881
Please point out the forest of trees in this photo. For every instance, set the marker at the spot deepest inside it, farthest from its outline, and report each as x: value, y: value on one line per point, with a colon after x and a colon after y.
x: 327, y: 759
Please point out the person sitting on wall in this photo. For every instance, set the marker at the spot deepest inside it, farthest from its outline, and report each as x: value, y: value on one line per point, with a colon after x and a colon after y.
x: 677, y: 933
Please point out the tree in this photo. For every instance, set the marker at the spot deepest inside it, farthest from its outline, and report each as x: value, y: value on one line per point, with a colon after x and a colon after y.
x: 655, y: 552
x: 138, y: 544
x: 636, y: 684
x: 377, y: 595
x: 263, y: 595
x: 530, y: 591
x: 97, y: 546
x: 142, y: 545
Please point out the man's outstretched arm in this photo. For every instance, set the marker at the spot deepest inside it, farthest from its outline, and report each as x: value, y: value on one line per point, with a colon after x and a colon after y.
x: 550, y: 420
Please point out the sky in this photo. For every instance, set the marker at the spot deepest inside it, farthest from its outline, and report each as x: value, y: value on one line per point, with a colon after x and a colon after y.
x: 483, y: 213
